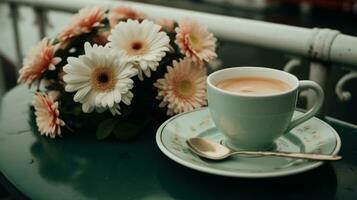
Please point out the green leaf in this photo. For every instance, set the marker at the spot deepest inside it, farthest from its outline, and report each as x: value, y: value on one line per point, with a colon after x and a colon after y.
x: 77, y: 110
x: 105, y: 128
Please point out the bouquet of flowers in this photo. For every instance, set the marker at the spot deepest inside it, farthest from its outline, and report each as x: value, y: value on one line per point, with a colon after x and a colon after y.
x: 117, y: 71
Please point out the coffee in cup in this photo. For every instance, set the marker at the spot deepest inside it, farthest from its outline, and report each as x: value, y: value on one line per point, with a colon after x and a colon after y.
x: 253, y: 85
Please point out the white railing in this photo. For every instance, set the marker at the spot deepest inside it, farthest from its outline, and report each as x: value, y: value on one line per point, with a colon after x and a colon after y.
x: 323, y: 46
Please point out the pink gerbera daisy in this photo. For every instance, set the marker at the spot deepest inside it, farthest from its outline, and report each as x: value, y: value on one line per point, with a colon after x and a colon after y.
x: 47, y: 114
x: 83, y: 22
x: 183, y: 88
x: 195, y: 41
x: 40, y: 59
x: 123, y: 13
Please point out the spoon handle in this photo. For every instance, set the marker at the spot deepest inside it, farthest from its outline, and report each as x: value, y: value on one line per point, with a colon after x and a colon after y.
x: 309, y: 156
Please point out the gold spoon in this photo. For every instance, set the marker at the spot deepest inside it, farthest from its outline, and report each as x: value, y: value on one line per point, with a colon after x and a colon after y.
x: 214, y: 151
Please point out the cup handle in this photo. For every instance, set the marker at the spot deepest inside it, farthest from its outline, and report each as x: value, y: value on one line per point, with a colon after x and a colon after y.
x: 315, y: 108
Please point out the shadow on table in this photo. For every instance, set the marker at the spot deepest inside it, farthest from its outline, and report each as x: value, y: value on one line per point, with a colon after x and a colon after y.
x: 100, y: 173
x: 319, y: 183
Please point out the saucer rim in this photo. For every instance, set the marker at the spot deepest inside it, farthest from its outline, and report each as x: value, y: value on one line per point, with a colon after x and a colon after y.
x: 308, y: 166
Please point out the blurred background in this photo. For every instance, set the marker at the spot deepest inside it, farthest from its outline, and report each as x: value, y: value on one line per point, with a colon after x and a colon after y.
x: 334, y: 14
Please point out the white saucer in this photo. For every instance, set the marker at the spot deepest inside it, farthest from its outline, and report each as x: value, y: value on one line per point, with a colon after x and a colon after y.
x: 313, y: 135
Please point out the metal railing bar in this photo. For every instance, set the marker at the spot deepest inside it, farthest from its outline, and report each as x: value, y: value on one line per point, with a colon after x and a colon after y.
x: 331, y: 119
x: 2, y: 79
x: 41, y: 21
x: 321, y: 44
x: 14, y: 18
x: 319, y: 73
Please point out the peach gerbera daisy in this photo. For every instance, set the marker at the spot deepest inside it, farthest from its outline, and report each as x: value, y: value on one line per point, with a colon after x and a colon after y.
x: 123, y: 13
x: 40, y: 59
x: 47, y: 114
x: 183, y: 88
x: 101, y: 38
x: 83, y: 22
x: 195, y: 41
x: 166, y: 24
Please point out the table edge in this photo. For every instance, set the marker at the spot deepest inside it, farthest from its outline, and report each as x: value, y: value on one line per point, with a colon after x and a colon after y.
x: 10, y: 187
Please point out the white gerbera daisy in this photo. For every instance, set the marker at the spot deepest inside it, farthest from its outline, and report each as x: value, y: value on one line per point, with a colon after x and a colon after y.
x: 101, y: 78
x: 143, y: 43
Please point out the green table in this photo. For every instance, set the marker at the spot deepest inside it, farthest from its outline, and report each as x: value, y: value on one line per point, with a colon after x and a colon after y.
x: 80, y: 167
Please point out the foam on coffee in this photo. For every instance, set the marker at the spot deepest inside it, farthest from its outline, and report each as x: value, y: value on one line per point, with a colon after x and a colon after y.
x: 254, y: 85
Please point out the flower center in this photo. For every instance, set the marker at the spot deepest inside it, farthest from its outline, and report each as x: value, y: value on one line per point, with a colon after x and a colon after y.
x: 103, y: 79
x: 195, y: 42
x: 137, y: 48
x: 185, y: 88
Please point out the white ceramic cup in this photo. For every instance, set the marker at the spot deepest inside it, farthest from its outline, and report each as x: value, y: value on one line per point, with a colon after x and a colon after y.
x: 254, y: 122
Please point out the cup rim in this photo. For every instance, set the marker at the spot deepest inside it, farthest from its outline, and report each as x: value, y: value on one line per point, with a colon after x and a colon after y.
x: 292, y: 89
